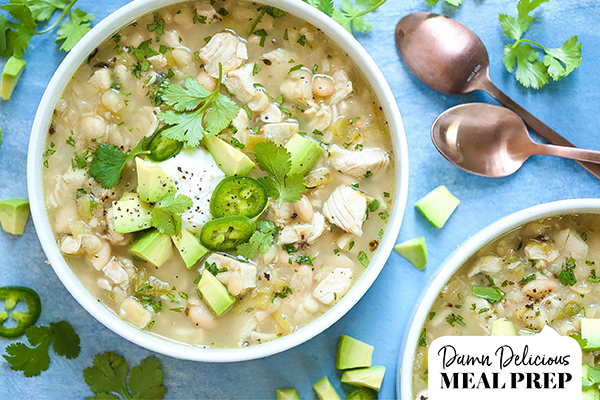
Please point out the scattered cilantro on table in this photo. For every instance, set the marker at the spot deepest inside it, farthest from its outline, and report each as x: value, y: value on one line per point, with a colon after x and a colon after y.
x: 108, y: 376
x: 166, y: 215
x: 350, y: 15
x: 109, y: 161
x: 197, y: 113
x: 277, y: 162
x: 260, y: 240
x: 455, y: 3
x: 33, y: 360
x: 531, y: 71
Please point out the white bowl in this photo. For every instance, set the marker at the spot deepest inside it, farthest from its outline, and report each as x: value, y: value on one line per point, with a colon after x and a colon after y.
x: 462, y: 255
x: 166, y: 346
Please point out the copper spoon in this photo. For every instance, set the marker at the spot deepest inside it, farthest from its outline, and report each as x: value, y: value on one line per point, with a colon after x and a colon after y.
x: 449, y: 57
x: 492, y: 141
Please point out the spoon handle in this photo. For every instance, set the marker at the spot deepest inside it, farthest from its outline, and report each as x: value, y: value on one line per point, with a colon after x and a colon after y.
x: 542, y: 129
x: 572, y: 153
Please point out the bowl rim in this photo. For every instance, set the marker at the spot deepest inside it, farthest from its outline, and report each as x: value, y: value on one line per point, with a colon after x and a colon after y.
x: 457, y: 259
x: 101, y: 32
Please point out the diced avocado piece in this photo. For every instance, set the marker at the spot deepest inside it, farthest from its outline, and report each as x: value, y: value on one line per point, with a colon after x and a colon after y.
x: 231, y: 160
x: 414, y: 250
x: 503, y: 327
x: 154, y: 247
x: 591, y: 393
x: 352, y: 353
x: 287, y: 394
x: 189, y: 247
x: 362, y: 393
x: 437, y: 206
x: 325, y: 390
x: 130, y: 214
x: 370, y: 377
x: 153, y: 182
x: 14, y: 214
x: 215, y: 293
x: 305, y: 153
x: 13, y: 69
x: 590, y: 330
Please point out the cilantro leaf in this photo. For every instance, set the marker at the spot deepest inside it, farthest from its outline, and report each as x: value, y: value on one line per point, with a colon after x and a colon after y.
x: 108, y: 376
x: 276, y: 161
x: 260, y: 240
x: 42, y: 10
x: 191, y: 105
x: 489, y: 293
x: 18, y: 39
x: 66, y: 341
x: 166, y: 216
x: 109, y: 161
x: 531, y: 71
x: 581, y: 341
x: 350, y: 15
x: 325, y: 6
x: 72, y: 30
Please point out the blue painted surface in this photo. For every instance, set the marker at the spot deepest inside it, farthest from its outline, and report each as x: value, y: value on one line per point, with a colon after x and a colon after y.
x: 381, y: 317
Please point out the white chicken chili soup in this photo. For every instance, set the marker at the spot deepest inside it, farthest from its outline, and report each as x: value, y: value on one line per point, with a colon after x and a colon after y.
x: 541, y: 276
x: 220, y: 174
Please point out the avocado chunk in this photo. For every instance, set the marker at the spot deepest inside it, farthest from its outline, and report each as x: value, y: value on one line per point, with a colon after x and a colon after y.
x: 154, y: 247
x: 362, y: 393
x: 503, y: 327
x: 352, y: 353
x: 189, y: 247
x: 153, y: 182
x: 414, y: 250
x: 13, y: 69
x: 590, y: 330
x: 130, y: 214
x: 231, y: 160
x: 437, y: 206
x: 287, y: 394
x: 370, y: 377
x: 305, y: 153
x: 215, y: 293
x: 590, y: 394
x: 14, y: 214
x: 325, y: 390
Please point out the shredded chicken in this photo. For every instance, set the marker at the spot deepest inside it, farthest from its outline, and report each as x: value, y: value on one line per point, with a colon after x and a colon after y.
x: 357, y: 162
x: 347, y: 209
x: 224, y: 48
x: 303, y: 233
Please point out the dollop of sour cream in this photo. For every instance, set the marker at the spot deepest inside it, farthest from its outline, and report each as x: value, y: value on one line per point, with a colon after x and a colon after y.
x: 196, y: 175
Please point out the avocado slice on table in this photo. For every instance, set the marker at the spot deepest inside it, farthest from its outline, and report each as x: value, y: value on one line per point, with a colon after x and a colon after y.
x: 352, y: 353
x: 13, y: 69
x: 370, y: 377
x: 14, y: 214
x: 325, y: 390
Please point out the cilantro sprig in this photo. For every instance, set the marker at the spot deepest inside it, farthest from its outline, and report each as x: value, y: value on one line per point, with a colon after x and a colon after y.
x: 108, y: 377
x: 15, y: 35
x: 166, y: 215
x: 260, y: 240
x: 197, y: 113
x: 531, y: 71
x: 455, y: 3
x: 35, y: 359
x: 350, y: 15
x: 109, y: 161
x: 277, y: 162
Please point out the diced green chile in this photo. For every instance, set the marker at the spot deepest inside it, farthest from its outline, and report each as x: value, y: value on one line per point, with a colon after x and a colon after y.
x: 238, y: 195
x: 162, y: 148
x: 11, y: 296
x: 227, y: 233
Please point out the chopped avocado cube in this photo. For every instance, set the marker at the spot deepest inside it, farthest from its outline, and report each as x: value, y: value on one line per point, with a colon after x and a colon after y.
x: 287, y: 394
x: 153, y: 182
x: 362, y: 393
x: 215, y: 293
x: 352, y: 353
x: 231, y: 160
x: 590, y: 394
x: 305, y: 153
x: 414, y: 250
x: 154, y: 247
x: 14, y: 214
x: 437, y: 206
x: 590, y: 330
x: 130, y: 214
x: 503, y: 327
x: 11, y: 73
x: 189, y: 247
x: 325, y: 390
x: 370, y: 377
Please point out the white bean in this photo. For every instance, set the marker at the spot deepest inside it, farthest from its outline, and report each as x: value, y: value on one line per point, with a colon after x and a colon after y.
x: 235, y: 283
x: 112, y: 100
x: 304, y: 209
x: 182, y: 56
x: 201, y: 316
x: 207, y: 81
x: 323, y: 87
x: 93, y: 127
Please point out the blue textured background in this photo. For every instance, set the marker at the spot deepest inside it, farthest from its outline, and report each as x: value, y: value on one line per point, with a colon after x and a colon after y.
x: 381, y: 317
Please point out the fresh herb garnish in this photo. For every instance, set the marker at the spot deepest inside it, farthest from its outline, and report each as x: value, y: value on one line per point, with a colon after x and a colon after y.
x: 530, y: 70
x: 489, y: 293
x: 109, y: 161
x: 166, y: 215
x: 197, y: 113
x: 305, y: 259
x: 566, y: 276
x: 108, y: 376
x: 373, y: 205
x: 455, y: 319
x: 350, y: 16
x: 33, y: 360
x: 212, y: 268
x: 260, y: 240
x: 422, y: 338
x: 581, y: 341
x: 276, y: 161
x: 528, y: 279
x: 362, y: 257
x: 593, y: 278
x: 282, y: 294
